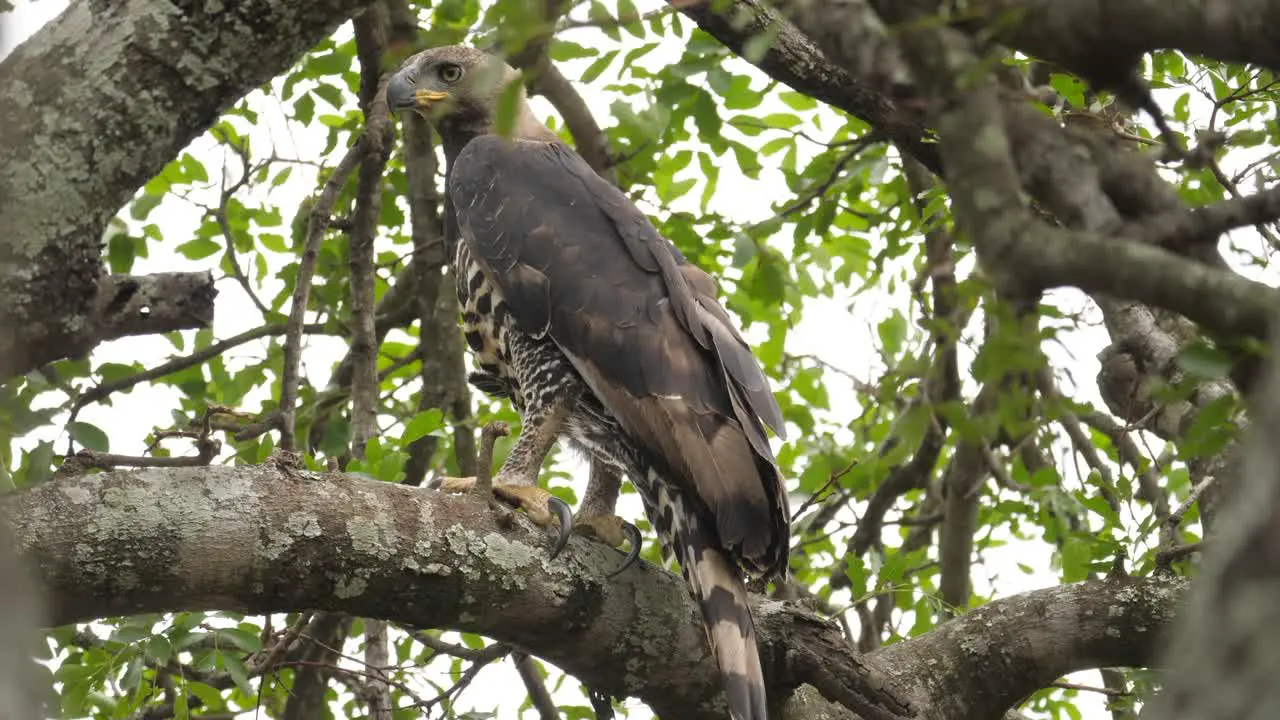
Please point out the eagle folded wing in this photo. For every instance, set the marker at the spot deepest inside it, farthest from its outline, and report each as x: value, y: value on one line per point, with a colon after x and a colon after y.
x: 573, y: 257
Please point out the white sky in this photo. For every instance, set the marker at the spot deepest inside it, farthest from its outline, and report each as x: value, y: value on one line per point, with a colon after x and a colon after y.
x: 841, y: 330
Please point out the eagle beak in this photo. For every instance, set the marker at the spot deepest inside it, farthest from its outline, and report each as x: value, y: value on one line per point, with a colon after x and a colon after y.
x: 424, y: 98
x: 402, y: 95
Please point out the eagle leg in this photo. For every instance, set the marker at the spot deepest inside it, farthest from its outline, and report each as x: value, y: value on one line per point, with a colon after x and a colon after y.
x: 596, y: 518
x: 612, y: 530
x: 517, y: 482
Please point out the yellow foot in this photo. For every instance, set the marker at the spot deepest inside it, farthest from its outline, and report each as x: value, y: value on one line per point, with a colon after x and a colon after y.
x: 612, y: 530
x: 541, y: 506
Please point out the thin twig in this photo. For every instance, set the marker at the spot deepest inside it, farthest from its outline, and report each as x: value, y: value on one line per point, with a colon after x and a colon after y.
x: 109, y: 461
x: 1088, y: 688
x: 100, y: 392
x: 1070, y: 422
x: 247, y: 169
x: 491, y: 653
x: 533, y: 682
x: 1175, y: 517
x: 1170, y: 555
x: 371, y: 142
x: 821, y: 188
x: 270, y: 657
x: 447, y: 648
x: 820, y: 493
x: 672, y: 6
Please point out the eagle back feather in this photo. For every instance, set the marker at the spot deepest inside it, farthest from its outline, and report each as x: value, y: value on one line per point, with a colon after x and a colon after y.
x: 576, y: 259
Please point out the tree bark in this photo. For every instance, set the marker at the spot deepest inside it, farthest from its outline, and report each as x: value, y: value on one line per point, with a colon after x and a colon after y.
x: 1226, y: 649
x: 91, y: 107
x: 265, y: 540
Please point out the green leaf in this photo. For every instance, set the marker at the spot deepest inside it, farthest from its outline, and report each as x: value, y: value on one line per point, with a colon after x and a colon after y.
x: 892, y: 331
x: 143, y: 206
x: 758, y: 45
x: 304, y: 109
x: 210, y: 696
x: 601, y: 64
x: 235, y: 667
x: 776, y: 144
x: 331, y: 95
x: 241, y: 638
x: 630, y: 18
x: 88, y: 436
x: 798, y: 101
x: 198, y: 248
x: 1069, y: 87
x: 428, y: 422
x: 710, y: 175
x: 781, y: 120
x: 120, y: 253
x: 274, y: 243
x: 563, y: 50
x: 332, y: 63
x: 505, y: 117
x: 132, y: 677
x: 282, y: 176
x: 37, y: 465
x: 1204, y: 360
x: 605, y: 21
x: 738, y: 94
x: 193, y: 169
x: 159, y: 648
x: 1076, y: 557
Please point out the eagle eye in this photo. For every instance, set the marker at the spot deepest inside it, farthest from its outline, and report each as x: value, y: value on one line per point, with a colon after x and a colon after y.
x: 450, y: 72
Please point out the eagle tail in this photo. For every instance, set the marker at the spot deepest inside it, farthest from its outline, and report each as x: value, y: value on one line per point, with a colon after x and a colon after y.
x: 717, y: 587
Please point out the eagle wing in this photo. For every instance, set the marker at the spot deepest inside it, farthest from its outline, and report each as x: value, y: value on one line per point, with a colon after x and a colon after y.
x: 575, y: 259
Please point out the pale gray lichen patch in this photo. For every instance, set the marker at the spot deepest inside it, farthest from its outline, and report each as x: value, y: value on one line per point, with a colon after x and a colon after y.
x: 346, y: 588
x: 298, y: 525
x: 976, y: 646
x: 423, y: 547
x: 369, y: 535
x: 506, y: 554
x: 227, y: 487
x: 462, y: 542
x: 76, y: 494
x: 127, y: 497
x: 304, y: 524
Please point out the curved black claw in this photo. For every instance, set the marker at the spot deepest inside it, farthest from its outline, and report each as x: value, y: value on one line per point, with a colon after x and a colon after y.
x: 602, y: 703
x: 561, y: 509
x: 633, y: 549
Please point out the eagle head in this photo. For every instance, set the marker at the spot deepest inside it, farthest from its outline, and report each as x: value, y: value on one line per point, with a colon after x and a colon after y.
x: 451, y: 83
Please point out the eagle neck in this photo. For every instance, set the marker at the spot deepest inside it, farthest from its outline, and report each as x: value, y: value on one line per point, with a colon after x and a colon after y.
x: 456, y: 132
x: 456, y: 137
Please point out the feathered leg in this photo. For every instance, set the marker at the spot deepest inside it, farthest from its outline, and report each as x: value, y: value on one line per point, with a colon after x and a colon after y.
x: 542, y: 418
x: 596, y: 519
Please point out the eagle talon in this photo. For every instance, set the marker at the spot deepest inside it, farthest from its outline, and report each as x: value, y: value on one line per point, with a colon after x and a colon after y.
x: 562, y: 510
x: 633, y: 548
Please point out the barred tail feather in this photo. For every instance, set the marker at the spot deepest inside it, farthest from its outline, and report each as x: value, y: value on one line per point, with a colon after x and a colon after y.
x: 717, y: 586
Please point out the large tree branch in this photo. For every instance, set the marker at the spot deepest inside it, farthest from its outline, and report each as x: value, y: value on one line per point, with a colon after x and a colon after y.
x: 93, y: 105
x: 120, y: 306
x: 1225, y: 650
x: 1081, y: 35
x: 262, y: 539
x: 797, y: 62
x: 981, y: 663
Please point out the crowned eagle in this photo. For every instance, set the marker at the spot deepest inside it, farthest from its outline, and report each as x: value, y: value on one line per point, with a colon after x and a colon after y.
x: 605, y: 336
